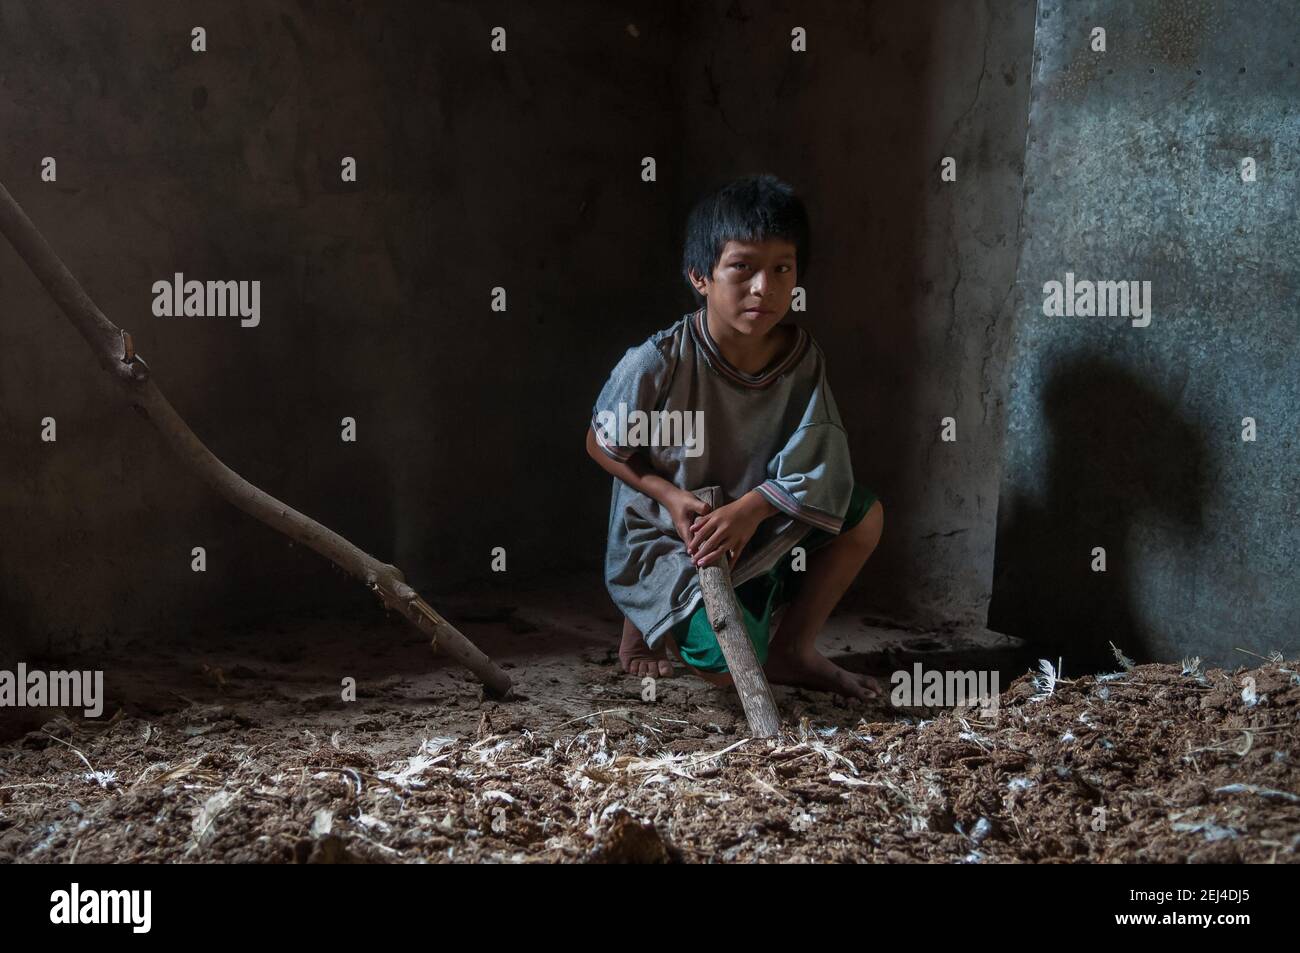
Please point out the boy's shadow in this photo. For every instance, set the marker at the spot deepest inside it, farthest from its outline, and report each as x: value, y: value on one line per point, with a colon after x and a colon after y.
x: 1124, y: 471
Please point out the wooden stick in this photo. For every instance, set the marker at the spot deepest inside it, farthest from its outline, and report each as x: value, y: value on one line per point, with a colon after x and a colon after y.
x: 729, y: 625
x: 115, y: 352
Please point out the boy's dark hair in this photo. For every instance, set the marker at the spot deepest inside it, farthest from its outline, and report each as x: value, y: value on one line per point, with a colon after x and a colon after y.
x: 750, y: 209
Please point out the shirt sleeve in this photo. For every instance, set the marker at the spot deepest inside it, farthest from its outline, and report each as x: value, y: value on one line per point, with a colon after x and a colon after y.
x: 636, y: 383
x: 811, y: 477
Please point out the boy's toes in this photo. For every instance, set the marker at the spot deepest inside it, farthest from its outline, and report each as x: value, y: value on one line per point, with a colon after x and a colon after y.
x: 655, y: 668
x: 866, y: 688
x: 875, y: 688
x: 641, y: 660
x: 851, y: 686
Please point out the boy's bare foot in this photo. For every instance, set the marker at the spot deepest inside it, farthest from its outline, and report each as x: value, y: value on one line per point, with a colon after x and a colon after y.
x: 638, y: 658
x: 813, y: 670
x: 720, y: 679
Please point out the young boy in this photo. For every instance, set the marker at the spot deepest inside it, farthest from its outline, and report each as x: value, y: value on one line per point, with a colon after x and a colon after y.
x: 769, y: 435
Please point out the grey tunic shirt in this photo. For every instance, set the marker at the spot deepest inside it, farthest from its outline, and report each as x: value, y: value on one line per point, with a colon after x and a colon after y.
x: 703, y: 423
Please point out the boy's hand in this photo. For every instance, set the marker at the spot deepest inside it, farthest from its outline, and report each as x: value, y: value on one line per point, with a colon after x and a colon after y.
x: 728, y: 529
x: 683, y: 507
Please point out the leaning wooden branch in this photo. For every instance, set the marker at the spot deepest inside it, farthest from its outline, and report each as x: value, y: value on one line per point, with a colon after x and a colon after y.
x: 115, y: 352
x: 729, y: 625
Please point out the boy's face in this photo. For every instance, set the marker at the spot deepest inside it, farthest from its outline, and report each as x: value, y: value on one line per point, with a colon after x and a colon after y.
x: 751, y: 285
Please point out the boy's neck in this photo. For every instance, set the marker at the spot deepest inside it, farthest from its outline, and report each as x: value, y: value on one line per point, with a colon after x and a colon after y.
x: 748, y: 353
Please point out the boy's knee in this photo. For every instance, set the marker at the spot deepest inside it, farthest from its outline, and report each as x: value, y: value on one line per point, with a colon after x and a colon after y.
x: 867, y: 533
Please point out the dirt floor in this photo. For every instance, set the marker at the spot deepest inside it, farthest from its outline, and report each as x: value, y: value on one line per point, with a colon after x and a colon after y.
x: 249, y: 754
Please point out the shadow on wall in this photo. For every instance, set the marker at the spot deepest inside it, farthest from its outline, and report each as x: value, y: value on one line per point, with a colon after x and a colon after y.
x: 1119, y: 454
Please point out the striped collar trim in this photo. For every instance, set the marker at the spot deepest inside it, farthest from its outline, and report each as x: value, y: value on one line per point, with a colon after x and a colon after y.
x: 700, y: 330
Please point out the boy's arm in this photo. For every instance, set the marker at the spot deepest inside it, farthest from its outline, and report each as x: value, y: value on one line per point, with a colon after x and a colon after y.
x: 682, y: 505
x: 640, y: 476
x: 636, y: 473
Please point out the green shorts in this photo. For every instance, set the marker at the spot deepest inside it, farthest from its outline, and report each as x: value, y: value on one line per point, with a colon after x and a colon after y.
x: 759, y: 598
